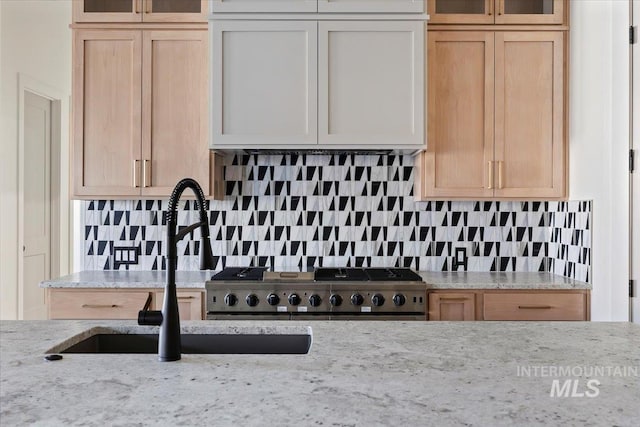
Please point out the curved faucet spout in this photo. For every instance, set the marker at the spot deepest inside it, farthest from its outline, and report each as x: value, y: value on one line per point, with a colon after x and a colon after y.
x: 206, y: 256
x: 169, y: 344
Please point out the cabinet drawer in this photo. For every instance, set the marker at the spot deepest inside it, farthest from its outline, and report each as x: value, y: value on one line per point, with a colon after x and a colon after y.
x: 96, y: 304
x: 190, y: 304
x: 534, y: 306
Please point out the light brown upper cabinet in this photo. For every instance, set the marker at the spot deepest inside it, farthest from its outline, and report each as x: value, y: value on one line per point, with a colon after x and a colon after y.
x: 140, y: 10
x: 496, y: 116
x: 529, y: 157
x: 496, y: 11
x: 140, y: 112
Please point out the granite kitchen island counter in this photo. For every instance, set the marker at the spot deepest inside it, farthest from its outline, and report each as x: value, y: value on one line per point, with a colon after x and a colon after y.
x: 357, y: 373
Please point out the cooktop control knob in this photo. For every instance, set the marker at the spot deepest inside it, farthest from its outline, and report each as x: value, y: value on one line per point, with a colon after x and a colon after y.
x: 335, y: 300
x: 294, y: 299
x: 230, y: 300
x: 357, y: 299
x: 399, y: 299
x: 377, y: 300
x: 315, y: 300
x: 252, y: 300
x: 273, y: 299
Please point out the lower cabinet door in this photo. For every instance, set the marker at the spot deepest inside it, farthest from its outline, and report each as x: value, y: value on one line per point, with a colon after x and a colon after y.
x: 535, y: 306
x: 95, y: 304
x: 452, y: 306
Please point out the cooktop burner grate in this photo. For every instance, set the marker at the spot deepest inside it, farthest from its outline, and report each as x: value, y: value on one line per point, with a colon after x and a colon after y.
x: 392, y: 274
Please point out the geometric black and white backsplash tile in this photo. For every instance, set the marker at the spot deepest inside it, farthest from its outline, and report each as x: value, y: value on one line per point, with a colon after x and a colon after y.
x: 292, y: 210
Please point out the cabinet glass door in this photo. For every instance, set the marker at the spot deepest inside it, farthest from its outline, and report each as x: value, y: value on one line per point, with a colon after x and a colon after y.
x: 461, y: 11
x: 175, y: 10
x: 172, y: 6
x: 530, y: 12
x: 107, y: 11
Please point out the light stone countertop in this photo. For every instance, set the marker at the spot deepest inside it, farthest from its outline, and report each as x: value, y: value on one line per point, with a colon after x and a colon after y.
x: 128, y: 279
x: 477, y: 280
x: 435, y: 280
x: 357, y: 374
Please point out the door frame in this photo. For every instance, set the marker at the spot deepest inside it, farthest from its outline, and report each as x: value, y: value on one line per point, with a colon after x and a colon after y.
x: 61, y: 244
x: 634, y: 178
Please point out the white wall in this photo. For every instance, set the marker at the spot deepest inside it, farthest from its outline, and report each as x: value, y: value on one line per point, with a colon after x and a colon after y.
x: 2, y: 186
x: 598, y: 144
x: 36, y: 41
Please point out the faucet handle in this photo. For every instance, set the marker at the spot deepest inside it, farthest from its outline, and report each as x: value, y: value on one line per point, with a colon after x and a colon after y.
x: 150, y: 317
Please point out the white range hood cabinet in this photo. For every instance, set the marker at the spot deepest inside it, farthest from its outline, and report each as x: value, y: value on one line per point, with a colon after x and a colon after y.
x: 317, y: 81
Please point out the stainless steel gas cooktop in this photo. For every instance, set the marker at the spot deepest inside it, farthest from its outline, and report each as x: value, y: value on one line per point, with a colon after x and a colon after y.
x: 325, y: 293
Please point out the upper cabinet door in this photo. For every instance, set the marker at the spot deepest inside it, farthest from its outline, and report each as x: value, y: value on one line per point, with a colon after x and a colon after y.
x: 106, y: 112
x: 529, y: 130
x: 174, y: 110
x: 530, y: 12
x: 371, y: 83
x: 461, y: 11
x: 281, y: 6
x: 175, y: 11
x: 459, y: 155
x: 107, y: 10
x: 264, y: 83
x: 371, y: 6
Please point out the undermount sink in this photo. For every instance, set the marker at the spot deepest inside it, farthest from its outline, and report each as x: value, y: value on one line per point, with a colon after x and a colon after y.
x: 112, y: 342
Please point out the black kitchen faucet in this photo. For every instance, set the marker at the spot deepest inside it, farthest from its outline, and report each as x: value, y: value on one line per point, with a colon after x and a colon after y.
x: 169, y: 346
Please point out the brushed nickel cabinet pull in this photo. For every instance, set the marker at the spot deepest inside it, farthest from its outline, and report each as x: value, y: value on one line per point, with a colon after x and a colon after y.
x: 187, y: 297
x: 535, y: 307
x: 146, y: 173
x: 453, y: 299
x: 500, y: 171
x: 100, y: 306
x: 490, y: 167
x: 136, y: 173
